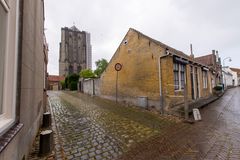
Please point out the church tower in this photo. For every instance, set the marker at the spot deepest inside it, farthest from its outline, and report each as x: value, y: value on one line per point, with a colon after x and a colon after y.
x: 75, y: 51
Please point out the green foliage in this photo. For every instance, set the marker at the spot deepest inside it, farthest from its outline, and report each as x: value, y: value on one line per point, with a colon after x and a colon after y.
x: 218, y: 88
x: 66, y: 82
x: 73, y: 85
x: 72, y: 78
x: 87, y: 73
x: 101, y: 66
x: 63, y: 84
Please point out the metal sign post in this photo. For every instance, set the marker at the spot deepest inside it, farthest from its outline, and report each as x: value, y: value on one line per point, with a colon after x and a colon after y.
x: 118, y: 67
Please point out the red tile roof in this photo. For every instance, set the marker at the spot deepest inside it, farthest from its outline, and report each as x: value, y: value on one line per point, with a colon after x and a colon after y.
x: 207, y: 59
x: 55, y: 78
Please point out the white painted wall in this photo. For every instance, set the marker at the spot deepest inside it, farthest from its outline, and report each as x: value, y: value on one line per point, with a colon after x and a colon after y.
x: 235, y: 77
x: 227, y: 78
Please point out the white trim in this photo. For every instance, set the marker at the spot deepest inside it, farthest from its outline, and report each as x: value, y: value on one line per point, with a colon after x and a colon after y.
x: 193, y: 79
x: 180, y: 76
x: 5, y: 6
x: 198, y: 84
x: 5, y: 124
x: 7, y: 119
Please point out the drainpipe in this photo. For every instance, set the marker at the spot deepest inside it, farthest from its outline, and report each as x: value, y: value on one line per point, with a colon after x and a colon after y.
x: 19, y: 63
x: 160, y: 80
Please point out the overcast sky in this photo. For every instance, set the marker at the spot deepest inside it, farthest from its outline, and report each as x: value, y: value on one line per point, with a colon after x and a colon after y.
x: 207, y: 24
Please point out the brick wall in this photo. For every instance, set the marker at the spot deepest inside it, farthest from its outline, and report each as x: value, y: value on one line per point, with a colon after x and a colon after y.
x: 139, y: 75
x: 139, y: 56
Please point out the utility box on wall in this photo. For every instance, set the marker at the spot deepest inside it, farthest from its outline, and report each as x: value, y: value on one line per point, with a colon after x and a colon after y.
x: 142, y: 101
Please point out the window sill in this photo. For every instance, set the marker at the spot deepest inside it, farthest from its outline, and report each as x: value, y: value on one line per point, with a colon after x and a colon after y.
x: 5, y: 124
x: 182, y: 90
x: 9, y: 135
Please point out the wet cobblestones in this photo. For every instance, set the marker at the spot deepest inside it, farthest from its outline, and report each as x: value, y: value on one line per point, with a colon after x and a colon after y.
x: 87, y: 131
x: 91, y: 128
x: 216, y: 137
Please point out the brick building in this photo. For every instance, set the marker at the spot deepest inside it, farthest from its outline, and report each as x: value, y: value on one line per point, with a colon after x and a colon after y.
x: 22, y: 74
x: 54, y: 82
x: 75, y: 51
x: 213, y: 61
x: 156, y: 71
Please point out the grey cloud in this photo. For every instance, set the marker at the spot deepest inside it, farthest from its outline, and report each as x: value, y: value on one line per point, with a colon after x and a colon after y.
x: 208, y: 24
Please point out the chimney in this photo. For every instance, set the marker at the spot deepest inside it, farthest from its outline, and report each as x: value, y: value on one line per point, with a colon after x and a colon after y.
x: 213, y: 52
x: 191, y: 50
x: 217, y: 56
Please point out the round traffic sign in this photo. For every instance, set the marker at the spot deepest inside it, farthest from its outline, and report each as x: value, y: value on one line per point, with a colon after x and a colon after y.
x: 118, y: 66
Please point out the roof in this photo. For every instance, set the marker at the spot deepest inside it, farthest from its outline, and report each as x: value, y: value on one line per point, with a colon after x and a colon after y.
x: 207, y: 59
x: 74, y: 28
x: 227, y: 73
x: 55, y: 78
x: 172, y: 50
x: 180, y: 53
x: 236, y: 70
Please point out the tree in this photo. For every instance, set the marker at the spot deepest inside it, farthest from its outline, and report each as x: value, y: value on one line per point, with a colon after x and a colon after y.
x: 101, y: 66
x: 71, y: 81
x: 87, y: 73
x: 63, y: 84
x: 66, y: 81
x: 73, y: 77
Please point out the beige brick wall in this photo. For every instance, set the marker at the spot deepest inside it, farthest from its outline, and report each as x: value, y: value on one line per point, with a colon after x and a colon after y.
x: 139, y: 74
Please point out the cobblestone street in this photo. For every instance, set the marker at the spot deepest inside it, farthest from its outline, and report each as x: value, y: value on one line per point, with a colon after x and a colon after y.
x: 92, y: 128
x: 96, y: 129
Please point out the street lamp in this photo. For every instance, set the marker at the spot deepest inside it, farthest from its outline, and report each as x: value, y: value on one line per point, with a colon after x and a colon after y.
x: 229, y: 59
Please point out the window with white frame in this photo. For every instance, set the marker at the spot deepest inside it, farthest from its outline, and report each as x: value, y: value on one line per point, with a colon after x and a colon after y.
x: 3, y: 30
x: 176, y: 76
x: 182, y: 74
x: 205, y: 79
x: 179, y: 75
x: 8, y: 63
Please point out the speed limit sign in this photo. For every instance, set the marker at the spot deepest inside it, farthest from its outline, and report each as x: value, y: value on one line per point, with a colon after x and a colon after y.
x: 118, y: 66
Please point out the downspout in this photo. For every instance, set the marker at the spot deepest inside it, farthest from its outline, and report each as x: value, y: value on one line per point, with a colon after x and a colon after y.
x: 160, y: 80
x: 19, y: 61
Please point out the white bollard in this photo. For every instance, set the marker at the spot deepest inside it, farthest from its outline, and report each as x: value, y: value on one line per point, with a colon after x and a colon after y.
x: 197, y: 115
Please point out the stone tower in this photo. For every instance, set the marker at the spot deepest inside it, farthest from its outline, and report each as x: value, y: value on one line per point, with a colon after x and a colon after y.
x: 75, y: 51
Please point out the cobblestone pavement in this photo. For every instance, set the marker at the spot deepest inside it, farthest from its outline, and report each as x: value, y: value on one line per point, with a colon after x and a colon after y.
x: 216, y: 137
x: 92, y: 128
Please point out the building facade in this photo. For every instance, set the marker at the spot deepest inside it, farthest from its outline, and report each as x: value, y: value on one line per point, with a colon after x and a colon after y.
x: 213, y: 61
x: 23, y: 58
x: 54, y: 82
x: 236, y: 73
x: 154, y: 70
x: 227, y: 78
x: 75, y: 51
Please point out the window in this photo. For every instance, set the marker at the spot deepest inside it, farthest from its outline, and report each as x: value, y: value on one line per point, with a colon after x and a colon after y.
x: 179, y: 76
x: 8, y: 63
x: 176, y: 76
x: 182, y: 73
x: 205, y: 79
x: 3, y: 27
